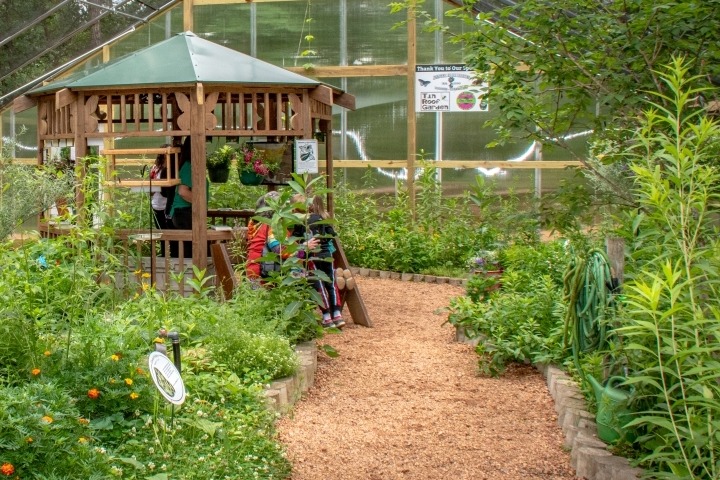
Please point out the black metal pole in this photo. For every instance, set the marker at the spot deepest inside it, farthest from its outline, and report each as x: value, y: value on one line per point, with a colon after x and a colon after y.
x: 175, y: 337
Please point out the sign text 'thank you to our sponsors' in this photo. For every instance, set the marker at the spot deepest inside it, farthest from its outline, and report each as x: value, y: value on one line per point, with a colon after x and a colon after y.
x: 449, y: 88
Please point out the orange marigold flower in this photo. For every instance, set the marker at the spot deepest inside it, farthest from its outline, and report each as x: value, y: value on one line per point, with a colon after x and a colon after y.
x: 47, y: 353
x: 140, y: 371
x: 128, y: 381
x: 7, y: 469
x: 47, y: 419
x: 134, y: 396
x: 29, y: 439
x: 93, y: 393
x: 35, y: 371
x: 84, y: 421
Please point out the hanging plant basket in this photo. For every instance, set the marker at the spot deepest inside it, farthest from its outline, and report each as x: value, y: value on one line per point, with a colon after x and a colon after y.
x: 219, y: 175
x: 251, y: 178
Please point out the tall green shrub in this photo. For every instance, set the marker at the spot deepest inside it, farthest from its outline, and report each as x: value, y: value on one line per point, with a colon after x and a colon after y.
x: 671, y: 317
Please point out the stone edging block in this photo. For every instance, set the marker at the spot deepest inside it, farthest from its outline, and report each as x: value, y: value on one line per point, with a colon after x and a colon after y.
x: 407, y: 277
x: 283, y: 393
x: 589, y: 455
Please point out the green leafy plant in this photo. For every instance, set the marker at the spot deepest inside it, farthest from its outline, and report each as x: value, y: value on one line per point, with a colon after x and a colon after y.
x: 670, y: 316
x: 221, y: 158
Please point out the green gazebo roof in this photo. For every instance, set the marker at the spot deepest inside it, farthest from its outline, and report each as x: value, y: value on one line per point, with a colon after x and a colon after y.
x: 184, y: 59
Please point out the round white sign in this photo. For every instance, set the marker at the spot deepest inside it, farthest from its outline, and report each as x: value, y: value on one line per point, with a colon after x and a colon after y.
x: 167, y: 378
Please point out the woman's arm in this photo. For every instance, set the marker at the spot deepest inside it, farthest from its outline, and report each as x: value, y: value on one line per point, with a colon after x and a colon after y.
x: 185, y: 192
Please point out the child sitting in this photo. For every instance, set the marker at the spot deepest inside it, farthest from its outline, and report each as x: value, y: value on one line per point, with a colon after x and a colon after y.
x: 322, y: 259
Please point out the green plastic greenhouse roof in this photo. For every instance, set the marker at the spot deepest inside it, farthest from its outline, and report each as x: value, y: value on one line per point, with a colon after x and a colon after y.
x: 181, y: 60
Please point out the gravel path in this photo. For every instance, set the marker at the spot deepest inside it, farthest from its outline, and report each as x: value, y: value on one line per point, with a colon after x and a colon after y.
x: 404, y: 401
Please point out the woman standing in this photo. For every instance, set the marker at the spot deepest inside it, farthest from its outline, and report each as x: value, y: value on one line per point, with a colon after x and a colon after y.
x: 159, y: 200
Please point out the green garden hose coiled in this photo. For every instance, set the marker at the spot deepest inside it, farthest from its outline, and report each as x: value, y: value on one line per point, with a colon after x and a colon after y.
x: 588, y: 295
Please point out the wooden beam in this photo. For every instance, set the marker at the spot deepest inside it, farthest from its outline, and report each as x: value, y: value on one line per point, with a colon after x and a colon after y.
x: 345, y: 100
x: 188, y: 15
x: 199, y: 186
x: 411, y: 116
x: 235, y: 2
x: 462, y: 164
x: 352, y: 71
x: 353, y: 299
x: 323, y: 94
x: 64, y: 97
x: 23, y: 102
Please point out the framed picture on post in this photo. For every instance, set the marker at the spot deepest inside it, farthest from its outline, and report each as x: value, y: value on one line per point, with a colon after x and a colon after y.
x: 306, y: 156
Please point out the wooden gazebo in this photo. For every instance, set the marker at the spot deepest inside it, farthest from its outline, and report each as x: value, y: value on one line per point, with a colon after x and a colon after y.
x: 182, y: 87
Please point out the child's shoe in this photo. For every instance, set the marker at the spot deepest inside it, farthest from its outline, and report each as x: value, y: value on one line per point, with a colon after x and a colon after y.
x: 338, y: 320
x: 327, y: 321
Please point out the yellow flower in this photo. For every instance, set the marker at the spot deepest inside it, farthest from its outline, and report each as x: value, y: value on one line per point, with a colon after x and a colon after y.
x: 128, y: 381
x: 29, y: 439
x: 137, y: 272
x: 83, y: 421
x: 145, y: 275
x: 134, y: 396
x: 82, y: 440
x: 158, y: 340
x: 115, y: 357
x: 35, y: 372
x: 47, y: 353
x: 145, y: 287
x: 47, y: 419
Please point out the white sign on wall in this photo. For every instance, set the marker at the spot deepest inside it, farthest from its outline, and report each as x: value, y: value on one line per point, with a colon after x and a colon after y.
x: 306, y: 156
x: 448, y: 88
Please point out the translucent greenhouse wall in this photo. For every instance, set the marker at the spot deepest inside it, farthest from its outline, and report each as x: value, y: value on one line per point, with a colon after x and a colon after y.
x: 346, y: 32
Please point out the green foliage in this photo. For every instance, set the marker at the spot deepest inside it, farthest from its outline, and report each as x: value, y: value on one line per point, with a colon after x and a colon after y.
x: 522, y: 321
x: 27, y: 191
x: 43, y: 434
x: 261, y: 357
x: 670, y: 315
x: 75, y: 350
x: 445, y: 235
x: 221, y: 158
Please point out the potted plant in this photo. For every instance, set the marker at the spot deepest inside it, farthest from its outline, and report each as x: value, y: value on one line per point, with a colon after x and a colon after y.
x: 218, y: 164
x: 255, y: 164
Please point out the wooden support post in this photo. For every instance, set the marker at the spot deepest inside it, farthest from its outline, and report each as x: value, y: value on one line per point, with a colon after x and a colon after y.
x: 615, y: 247
x: 353, y: 300
x: 199, y: 187
x: 225, y: 275
x: 411, y: 117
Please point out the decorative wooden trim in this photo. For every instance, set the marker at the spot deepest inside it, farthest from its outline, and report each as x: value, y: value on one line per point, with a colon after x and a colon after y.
x: 345, y: 100
x: 322, y: 94
x: 23, y: 102
x: 64, y: 98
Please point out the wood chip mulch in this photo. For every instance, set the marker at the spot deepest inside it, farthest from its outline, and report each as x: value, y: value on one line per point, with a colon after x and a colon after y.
x: 404, y: 401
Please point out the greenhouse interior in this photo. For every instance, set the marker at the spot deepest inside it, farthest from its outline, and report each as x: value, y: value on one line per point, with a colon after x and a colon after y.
x: 312, y: 239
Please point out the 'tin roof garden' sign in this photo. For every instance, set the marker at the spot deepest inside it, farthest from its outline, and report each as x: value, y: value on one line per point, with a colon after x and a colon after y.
x: 448, y: 88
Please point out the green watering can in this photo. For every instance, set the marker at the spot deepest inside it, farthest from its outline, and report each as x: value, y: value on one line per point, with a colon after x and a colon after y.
x: 613, y: 412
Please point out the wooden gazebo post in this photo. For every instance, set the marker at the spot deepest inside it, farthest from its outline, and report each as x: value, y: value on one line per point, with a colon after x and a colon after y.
x: 199, y: 187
